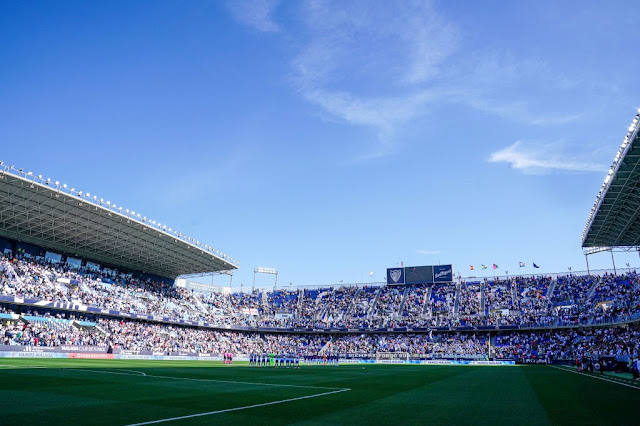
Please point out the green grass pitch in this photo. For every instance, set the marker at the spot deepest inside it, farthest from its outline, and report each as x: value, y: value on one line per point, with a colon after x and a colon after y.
x: 120, y: 392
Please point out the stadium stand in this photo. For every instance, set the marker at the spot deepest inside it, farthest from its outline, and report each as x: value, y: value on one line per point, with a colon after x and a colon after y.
x: 49, y: 329
x: 561, y: 323
x: 82, y: 285
x: 575, y: 300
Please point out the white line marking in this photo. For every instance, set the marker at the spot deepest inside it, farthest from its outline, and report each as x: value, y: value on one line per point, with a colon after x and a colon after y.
x: 209, y: 413
x: 202, y: 380
x: 596, y: 377
x: 134, y: 371
x: 21, y: 367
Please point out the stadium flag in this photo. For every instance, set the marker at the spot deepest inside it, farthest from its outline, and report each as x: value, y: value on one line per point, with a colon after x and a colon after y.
x: 484, y: 266
x: 522, y: 264
x: 495, y: 266
x: 471, y: 268
x: 534, y: 265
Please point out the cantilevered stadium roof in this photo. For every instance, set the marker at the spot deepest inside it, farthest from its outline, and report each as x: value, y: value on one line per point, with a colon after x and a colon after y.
x: 614, y: 220
x: 46, y: 213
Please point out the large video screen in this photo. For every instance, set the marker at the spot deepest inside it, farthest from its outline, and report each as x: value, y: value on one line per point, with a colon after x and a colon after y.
x: 420, y: 274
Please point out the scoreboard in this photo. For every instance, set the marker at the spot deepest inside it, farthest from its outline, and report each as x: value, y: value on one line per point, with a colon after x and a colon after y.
x: 429, y: 274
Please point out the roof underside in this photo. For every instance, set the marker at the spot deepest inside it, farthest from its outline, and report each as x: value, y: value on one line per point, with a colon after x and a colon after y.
x: 43, y: 215
x: 615, y: 218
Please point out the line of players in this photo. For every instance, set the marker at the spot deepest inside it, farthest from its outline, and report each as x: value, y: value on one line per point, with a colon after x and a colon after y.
x: 288, y: 361
x: 321, y: 359
x: 273, y: 360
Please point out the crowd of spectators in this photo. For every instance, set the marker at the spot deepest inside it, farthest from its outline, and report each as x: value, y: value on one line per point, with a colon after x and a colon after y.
x: 498, y: 294
x: 51, y: 328
x: 519, y: 301
x: 569, y: 344
x: 470, y: 299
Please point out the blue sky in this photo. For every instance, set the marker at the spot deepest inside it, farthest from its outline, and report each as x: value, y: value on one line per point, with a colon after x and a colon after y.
x: 330, y: 139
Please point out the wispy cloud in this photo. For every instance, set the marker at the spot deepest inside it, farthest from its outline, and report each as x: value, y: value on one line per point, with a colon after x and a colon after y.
x: 383, y: 64
x: 493, y: 81
x: 429, y: 252
x: 537, y: 159
x: 518, y: 111
x: 256, y: 14
x: 381, y: 112
x: 367, y: 62
x: 379, y: 65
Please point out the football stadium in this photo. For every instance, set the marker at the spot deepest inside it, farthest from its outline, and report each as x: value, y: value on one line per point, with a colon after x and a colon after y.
x: 369, y: 155
x: 96, y: 328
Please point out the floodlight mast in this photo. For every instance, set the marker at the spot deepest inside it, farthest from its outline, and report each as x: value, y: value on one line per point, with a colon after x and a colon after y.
x: 268, y: 271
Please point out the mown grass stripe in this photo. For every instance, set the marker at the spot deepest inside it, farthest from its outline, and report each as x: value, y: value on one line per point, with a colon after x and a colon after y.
x: 595, y: 377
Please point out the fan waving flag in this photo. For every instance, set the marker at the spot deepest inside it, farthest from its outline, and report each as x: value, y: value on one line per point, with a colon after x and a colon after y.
x: 535, y: 266
x: 495, y: 266
x: 522, y: 264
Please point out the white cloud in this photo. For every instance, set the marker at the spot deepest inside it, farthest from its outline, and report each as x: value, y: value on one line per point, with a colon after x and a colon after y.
x: 380, y: 64
x: 533, y: 159
x: 518, y: 111
x: 429, y: 252
x: 367, y: 62
x: 256, y: 14
x: 381, y: 112
x: 491, y: 82
x: 383, y: 64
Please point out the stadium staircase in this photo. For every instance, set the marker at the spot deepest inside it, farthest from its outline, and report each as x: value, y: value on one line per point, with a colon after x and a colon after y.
x: 324, y: 313
x: 595, y: 285
x: 353, y: 303
x: 456, y: 303
x: 300, y: 304
x: 11, y: 274
x: 86, y: 289
x: 327, y: 345
x: 482, y: 299
x: 550, y: 291
x: 319, y: 298
x: 51, y: 284
x: 372, y: 307
x: 515, y: 300
x: 398, y: 312
x: 426, y: 311
x: 199, y: 304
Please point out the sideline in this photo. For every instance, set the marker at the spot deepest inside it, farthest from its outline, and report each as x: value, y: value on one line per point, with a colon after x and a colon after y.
x: 209, y: 413
x: 595, y: 377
